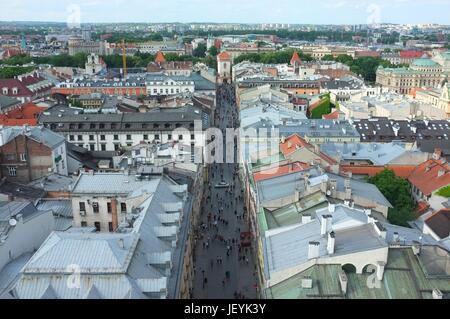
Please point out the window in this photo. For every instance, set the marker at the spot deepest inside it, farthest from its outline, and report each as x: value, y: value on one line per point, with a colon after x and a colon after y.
x: 110, y: 227
x: 123, y: 207
x: 192, y: 137
x: 95, y: 207
x: 103, y: 147
x: 180, y: 137
x: 145, y: 137
x: 116, y: 147
x: 157, y: 137
x: 71, y: 138
x: 92, y: 147
x: 127, y: 125
x: 80, y: 137
x: 102, y: 137
x: 102, y: 126
x: 91, y: 137
x: 10, y: 157
x: 82, y: 207
x: 12, y: 170
x: 97, y: 226
x: 83, y: 224
x: 109, y: 208
x: 169, y: 137
x: 116, y: 137
x: 128, y: 137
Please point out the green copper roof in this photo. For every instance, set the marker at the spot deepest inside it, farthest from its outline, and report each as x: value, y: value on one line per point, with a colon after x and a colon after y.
x: 424, y: 62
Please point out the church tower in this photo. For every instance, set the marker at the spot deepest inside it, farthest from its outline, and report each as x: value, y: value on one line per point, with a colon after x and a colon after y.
x: 224, y: 67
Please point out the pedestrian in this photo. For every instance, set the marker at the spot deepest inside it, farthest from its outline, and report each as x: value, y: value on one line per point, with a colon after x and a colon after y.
x: 246, y: 260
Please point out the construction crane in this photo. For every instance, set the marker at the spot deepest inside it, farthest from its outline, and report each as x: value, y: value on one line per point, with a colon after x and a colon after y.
x: 124, y: 59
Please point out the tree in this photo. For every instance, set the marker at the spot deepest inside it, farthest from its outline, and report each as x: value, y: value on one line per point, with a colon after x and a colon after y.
x: 328, y: 57
x: 398, y: 192
x: 213, y: 51
x: 12, y: 71
x: 200, y: 51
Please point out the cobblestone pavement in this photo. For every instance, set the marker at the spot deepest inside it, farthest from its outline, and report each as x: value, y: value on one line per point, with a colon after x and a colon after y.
x: 222, y: 269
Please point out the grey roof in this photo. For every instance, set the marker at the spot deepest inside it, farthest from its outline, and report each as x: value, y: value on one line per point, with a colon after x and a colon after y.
x: 39, y: 134
x: 112, y: 183
x: 11, y: 209
x: 21, y: 191
x: 6, y: 102
x: 109, y: 269
x: 92, y: 253
x: 361, y: 189
x: 269, y: 112
x: 60, y: 207
x: 311, y: 128
x: 285, y: 185
x: 287, y: 247
x: 185, y: 116
x: 420, y: 131
x: 54, y: 183
x: 377, y: 153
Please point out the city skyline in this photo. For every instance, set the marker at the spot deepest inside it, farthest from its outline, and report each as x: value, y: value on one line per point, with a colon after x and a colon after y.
x: 233, y: 11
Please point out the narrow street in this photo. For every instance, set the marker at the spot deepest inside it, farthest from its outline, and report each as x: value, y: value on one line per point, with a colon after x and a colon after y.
x: 224, y: 268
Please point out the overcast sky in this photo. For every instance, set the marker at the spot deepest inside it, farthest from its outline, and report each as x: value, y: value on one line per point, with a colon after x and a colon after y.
x: 240, y: 11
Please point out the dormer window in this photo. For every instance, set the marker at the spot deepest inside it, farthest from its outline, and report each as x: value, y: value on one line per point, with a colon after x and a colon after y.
x: 15, y: 91
x: 5, y: 91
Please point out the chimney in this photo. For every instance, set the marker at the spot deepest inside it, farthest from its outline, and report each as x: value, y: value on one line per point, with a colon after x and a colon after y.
x: 331, y: 207
x: 343, y: 281
x: 283, y: 139
x: 416, y: 248
x: 114, y: 214
x: 306, y: 219
x: 317, y: 148
x: 121, y: 243
x: 313, y: 250
x: 395, y: 237
x: 307, y: 282
x: 380, y: 270
x: 331, y: 242
x: 437, y: 154
x: 348, y: 193
x: 325, y: 224
x: 437, y: 294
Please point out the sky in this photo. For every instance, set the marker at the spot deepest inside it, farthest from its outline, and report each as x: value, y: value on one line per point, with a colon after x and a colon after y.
x: 229, y: 11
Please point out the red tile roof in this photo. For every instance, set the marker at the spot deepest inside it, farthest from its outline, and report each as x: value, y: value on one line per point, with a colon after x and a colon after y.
x: 439, y: 222
x: 426, y: 176
x: 421, y: 208
x: 292, y: 143
x: 371, y: 170
x: 224, y: 56
x: 332, y: 116
x: 26, y: 114
x: 160, y: 57
x: 411, y: 54
x: 295, y: 58
x: 280, y: 171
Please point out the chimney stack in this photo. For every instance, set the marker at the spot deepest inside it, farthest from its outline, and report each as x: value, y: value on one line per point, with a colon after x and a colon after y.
x: 313, y: 250
x: 437, y: 294
x: 343, y: 281
x: 306, y: 219
x: 325, y: 224
x: 331, y: 207
x: 331, y: 242
x: 380, y: 270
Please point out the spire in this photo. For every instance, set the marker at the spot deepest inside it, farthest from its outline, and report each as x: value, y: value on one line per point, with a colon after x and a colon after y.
x: 296, y: 59
x: 160, y: 57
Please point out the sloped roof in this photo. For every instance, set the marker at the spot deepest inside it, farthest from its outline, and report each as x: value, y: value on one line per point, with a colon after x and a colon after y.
x: 439, y: 222
x: 295, y: 58
x: 224, y: 56
x: 425, y: 176
x: 160, y: 57
x: 293, y: 143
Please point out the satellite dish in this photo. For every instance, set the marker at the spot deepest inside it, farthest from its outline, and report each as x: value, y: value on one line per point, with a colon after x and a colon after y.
x: 12, y: 222
x: 328, y: 193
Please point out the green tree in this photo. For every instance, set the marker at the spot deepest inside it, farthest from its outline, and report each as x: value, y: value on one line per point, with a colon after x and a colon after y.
x: 327, y: 57
x: 12, y: 71
x: 213, y: 51
x: 398, y: 192
x: 200, y: 51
